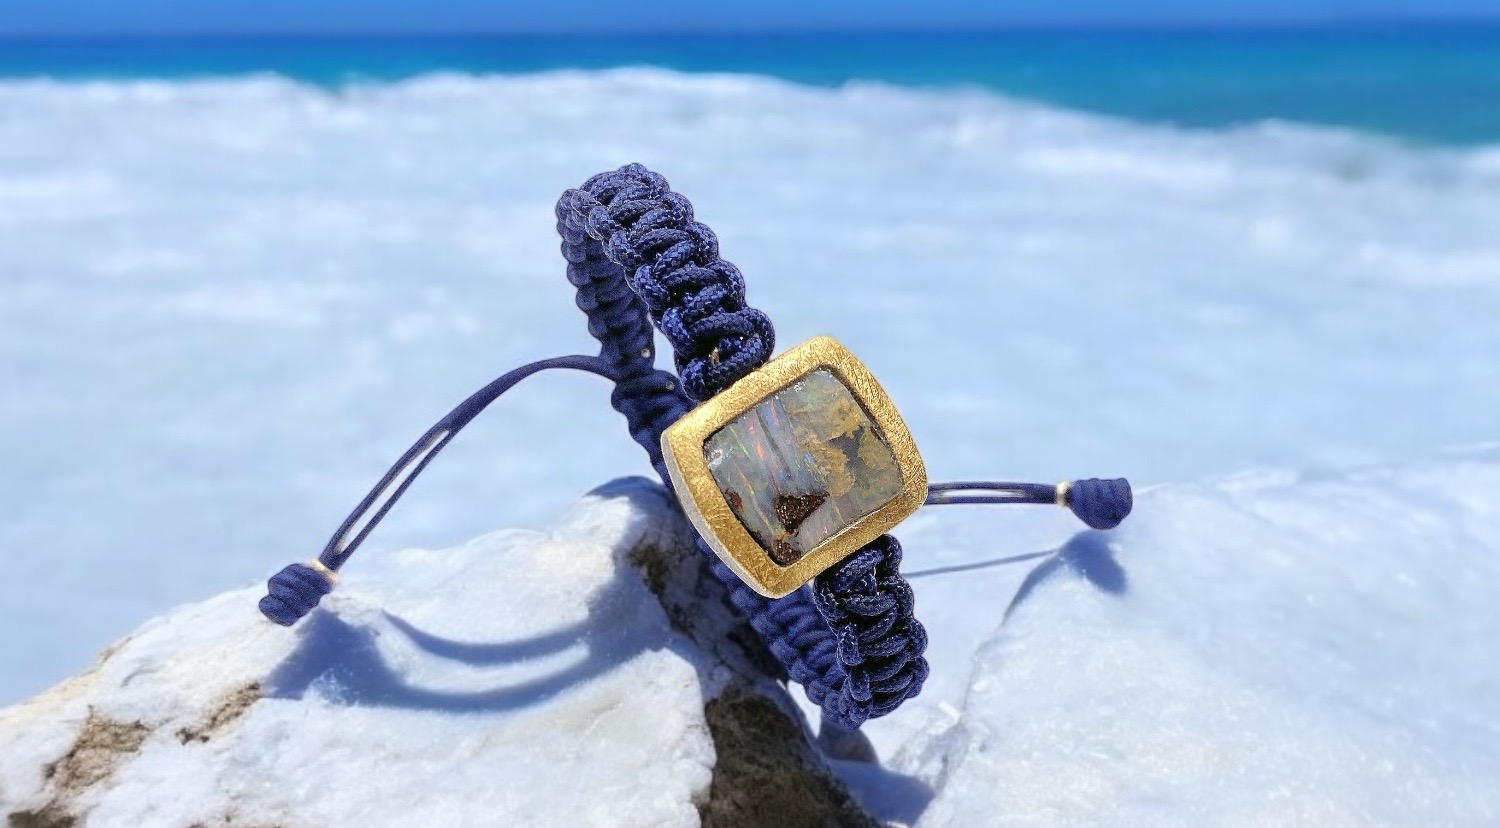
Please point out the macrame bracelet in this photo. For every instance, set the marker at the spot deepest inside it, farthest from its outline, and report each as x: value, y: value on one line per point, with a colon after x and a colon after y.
x: 636, y: 256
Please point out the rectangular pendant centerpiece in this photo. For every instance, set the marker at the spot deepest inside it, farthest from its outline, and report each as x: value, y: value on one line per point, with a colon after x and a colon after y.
x: 802, y: 465
x: 794, y: 467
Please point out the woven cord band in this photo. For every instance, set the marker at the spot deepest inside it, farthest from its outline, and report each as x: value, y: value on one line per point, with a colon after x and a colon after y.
x: 636, y: 256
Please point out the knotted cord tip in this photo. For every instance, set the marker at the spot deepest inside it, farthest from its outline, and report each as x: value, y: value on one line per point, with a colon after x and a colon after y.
x: 1101, y: 504
x: 295, y: 590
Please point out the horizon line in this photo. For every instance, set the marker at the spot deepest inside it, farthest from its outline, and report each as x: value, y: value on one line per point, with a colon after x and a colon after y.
x: 1206, y: 26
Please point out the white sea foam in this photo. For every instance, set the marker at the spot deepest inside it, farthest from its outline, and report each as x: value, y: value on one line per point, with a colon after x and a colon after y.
x: 228, y: 305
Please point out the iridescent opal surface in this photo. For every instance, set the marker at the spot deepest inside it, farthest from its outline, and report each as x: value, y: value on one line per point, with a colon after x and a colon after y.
x: 802, y: 465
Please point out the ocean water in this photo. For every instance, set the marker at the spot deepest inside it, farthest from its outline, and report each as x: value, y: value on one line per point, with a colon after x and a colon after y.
x: 231, y: 299
x: 1434, y: 83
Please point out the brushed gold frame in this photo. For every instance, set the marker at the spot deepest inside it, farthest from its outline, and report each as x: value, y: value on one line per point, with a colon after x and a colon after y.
x: 682, y: 447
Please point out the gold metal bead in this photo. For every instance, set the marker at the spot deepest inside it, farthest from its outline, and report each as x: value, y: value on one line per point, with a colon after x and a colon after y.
x: 318, y: 567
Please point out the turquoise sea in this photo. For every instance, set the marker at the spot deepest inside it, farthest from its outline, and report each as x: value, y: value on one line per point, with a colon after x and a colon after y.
x: 1427, y: 83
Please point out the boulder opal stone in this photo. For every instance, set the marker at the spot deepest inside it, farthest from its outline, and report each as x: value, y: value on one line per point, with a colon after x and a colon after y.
x: 801, y: 465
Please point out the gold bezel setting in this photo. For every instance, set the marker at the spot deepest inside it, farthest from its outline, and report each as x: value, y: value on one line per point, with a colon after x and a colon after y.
x: 682, y: 448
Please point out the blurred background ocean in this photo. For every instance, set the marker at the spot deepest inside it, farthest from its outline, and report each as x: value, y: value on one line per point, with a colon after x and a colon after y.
x: 248, y: 252
x: 1424, y: 81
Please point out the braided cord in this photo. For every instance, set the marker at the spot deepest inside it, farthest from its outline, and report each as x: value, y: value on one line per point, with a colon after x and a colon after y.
x: 636, y: 256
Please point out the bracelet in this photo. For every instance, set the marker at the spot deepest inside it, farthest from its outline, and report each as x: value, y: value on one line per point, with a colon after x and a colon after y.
x: 791, y: 469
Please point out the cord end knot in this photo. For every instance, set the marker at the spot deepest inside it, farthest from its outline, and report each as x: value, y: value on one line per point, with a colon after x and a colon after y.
x: 295, y: 590
x: 1101, y: 504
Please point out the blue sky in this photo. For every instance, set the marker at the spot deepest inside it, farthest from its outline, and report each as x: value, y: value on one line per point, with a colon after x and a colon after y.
x: 326, y: 16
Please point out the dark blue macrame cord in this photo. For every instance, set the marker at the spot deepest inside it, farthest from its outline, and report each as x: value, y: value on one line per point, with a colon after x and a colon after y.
x: 296, y: 590
x: 636, y: 256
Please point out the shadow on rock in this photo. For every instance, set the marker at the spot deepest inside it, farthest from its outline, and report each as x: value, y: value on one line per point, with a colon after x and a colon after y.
x: 769, y: 770
x: 1086, y: 554
x: 342, y: 662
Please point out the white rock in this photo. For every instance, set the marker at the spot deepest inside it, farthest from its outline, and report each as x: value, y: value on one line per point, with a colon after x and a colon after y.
x: 1265, y: 651
x: 521, y: 679
x: 1261, y: 650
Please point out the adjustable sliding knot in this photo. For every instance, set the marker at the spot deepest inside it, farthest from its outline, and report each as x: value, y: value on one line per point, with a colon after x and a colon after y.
x: 1101, y: 504
x: 877, y: 639
x: 294, y: 592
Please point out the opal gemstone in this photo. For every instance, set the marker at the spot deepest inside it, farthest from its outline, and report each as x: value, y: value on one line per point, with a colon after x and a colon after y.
x: 802, y: 465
